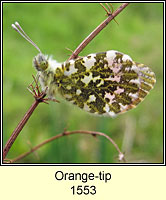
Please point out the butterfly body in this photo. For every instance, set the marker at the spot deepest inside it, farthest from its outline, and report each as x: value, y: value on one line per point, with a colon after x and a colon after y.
x: 106, y: 83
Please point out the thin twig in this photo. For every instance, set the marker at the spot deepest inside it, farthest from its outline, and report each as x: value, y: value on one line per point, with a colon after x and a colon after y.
x: 19, y: 128
x: 66, y: 133
x: 96, y: 31
x: 39, y: 97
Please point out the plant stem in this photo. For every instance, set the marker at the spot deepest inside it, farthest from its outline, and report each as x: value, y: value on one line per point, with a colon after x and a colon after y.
x: 19, y: 128
x: 87, y: 40
x: 66, y: 133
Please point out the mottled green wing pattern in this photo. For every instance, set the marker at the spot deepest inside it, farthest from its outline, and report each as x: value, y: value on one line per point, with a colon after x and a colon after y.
x: 105, y: 83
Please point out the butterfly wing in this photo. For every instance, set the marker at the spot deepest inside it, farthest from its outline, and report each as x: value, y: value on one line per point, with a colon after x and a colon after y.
x: 107, y: 83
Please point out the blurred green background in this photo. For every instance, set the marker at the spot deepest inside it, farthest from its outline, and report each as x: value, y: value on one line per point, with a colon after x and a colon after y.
x: 54, y: 26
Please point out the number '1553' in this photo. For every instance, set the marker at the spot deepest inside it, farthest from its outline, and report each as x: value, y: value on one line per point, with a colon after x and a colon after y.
x: 80, y: 189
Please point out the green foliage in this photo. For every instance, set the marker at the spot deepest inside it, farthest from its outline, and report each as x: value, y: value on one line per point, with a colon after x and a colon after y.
x: 54, y: 26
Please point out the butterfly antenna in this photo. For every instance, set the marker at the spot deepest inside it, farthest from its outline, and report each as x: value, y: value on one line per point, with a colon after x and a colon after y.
x: 16, y: 26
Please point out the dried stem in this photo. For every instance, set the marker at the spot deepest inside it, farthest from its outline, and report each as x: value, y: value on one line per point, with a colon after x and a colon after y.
x: 40, y: 96
x: 18, y: 129
x: 66, y: 133
x: 96, y: 31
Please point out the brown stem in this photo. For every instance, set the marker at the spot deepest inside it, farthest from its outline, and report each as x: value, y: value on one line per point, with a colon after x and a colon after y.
x: 96, y: 31
x: 66, y: 133
x: 39, y: 97
x: 19, y: 128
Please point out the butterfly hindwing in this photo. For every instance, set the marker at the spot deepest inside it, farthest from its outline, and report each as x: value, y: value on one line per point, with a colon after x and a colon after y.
x: 106, y: 83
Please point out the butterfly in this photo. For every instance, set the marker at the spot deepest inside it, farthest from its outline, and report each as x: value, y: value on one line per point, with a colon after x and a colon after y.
x: 107, y: 83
